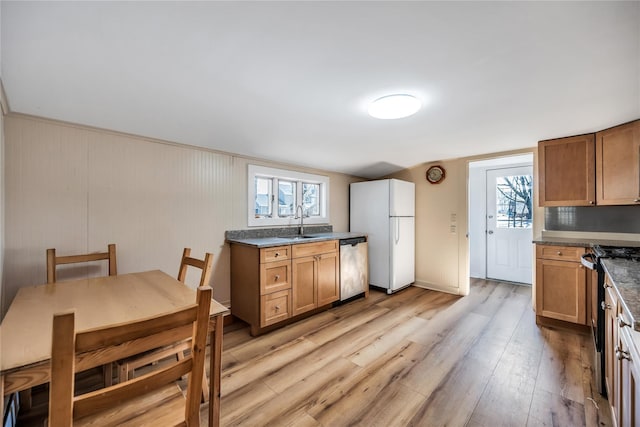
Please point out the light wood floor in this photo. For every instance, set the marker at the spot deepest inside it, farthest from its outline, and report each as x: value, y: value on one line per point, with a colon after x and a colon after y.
x: 419, y: 358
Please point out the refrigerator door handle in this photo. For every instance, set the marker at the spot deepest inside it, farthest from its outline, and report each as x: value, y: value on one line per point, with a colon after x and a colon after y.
x: 397, y: 230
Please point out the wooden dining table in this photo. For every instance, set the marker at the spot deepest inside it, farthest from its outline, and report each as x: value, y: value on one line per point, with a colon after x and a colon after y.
x: 25, y: 332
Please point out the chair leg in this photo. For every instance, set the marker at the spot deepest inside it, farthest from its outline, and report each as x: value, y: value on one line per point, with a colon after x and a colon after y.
x: 107, y: 372
x: 123, y: 373
x: 205, y: 387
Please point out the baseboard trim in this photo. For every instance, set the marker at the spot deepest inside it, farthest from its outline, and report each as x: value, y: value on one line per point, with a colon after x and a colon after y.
x: 441, y: 288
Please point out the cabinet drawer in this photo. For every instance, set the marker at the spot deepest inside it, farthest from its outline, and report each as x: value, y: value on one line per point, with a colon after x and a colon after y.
x: 560, y: 253
x: 275, y: 276
x: 276, y: 253
x: 275, y: 307
x: 309, y: 249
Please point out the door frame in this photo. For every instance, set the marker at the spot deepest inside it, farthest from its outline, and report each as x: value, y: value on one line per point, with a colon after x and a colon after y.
x: 477, y: 206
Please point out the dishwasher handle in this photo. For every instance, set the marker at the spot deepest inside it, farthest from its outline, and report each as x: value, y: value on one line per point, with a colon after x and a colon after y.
x: 353, y: 241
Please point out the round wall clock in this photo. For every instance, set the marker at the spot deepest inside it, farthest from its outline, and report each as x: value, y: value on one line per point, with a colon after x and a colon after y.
x: 435, y: 174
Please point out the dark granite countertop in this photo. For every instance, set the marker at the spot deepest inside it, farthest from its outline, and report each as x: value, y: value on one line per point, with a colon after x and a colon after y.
x: 586, y: 243
x: 625, y: 277
x: 266, y: 242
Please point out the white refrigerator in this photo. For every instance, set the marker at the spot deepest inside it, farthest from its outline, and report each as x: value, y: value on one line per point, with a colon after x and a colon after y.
x: 385, y: 211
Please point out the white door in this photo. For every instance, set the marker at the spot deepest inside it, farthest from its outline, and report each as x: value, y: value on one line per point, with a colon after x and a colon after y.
x: 509, y: 224
x: 402, y: 252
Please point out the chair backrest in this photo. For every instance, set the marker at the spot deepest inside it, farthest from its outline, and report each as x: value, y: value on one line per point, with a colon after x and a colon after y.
x: 53, y: 261
x: 77, y: 351
x: 204, y: 265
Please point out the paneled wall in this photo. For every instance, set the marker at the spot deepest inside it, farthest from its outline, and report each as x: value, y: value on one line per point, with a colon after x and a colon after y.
x: 77, y: 189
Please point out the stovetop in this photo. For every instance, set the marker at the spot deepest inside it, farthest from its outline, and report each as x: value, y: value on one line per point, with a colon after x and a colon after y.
x: 617, y: 252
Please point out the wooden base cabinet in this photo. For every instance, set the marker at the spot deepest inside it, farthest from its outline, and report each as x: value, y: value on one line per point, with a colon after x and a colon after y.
x: 630, y: 377
x: 269, y: 286
x: 316, y: 275
x: 261, y: 285
x: 622, y: 362
x: 612, y: 368
x: 561, y: 284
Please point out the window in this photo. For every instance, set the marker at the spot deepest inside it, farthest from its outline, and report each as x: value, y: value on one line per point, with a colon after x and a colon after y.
x: 277, y: 195
x: 264, y: 196
x: 513, y: 199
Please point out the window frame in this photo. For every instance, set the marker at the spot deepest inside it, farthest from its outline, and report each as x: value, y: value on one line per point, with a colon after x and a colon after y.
x: 287, y: 175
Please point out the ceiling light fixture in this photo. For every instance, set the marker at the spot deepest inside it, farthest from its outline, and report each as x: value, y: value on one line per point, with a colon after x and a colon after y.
x: 394, y: 106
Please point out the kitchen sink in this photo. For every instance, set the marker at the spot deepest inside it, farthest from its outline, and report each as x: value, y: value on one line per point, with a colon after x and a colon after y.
x: 296, y: 237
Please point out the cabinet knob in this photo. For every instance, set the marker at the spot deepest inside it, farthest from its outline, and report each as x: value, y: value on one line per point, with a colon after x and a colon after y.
x: 559, y: 253
x: 622, y: 323
x: 606, y: 285
x: 636, y: 200
x: 277, y: 307
x: 276, y: 255
x: 276, y: 277
x: 620, y: 354
x: 605, y: 306
x: 591, y: 202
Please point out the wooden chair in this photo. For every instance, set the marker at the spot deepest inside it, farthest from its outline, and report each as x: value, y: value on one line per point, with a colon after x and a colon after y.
x: 151, y: 399
x: 127, y: 367
x: 204, y: 265
x: 53, y: 261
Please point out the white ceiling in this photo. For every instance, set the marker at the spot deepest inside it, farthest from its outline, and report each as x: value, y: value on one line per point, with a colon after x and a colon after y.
x: 291, y: 81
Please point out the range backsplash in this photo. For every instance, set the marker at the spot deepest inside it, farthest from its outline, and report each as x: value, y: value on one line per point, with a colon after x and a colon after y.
x: 608, y: 219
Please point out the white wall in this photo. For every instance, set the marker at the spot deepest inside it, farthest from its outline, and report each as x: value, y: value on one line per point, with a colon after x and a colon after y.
x: 442, y: 247
x: 77, y: 189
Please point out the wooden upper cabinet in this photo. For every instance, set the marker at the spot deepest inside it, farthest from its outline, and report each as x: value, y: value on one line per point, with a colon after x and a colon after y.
x: 566, y: 171
x: 618, y: 165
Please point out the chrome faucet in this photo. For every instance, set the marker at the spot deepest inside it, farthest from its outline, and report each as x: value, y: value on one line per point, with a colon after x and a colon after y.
x: 301, y: 218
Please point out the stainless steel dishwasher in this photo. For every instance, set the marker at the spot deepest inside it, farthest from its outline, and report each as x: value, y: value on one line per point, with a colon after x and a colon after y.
x: 354, y: 268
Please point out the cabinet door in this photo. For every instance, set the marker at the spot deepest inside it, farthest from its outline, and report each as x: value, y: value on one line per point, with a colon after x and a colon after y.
x: 566, y: 171
x: 561, y: 290
x: 630, y: 401
x: 328, y: 278
x: 611, y: 343
x: 618, y: 165
x: 303, y: 288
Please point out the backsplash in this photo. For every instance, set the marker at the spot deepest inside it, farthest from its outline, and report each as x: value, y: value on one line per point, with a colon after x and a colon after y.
x: 610, y: 219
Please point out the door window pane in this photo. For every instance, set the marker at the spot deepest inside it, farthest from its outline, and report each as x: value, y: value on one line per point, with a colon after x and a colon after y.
x: 513, y: 201
x: 286, y: 198
x: 263, y: 199
x: 311, y: 199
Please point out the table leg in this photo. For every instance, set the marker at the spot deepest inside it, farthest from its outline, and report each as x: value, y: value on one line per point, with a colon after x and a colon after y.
x: 1, y: 398
x: 215, y: 372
